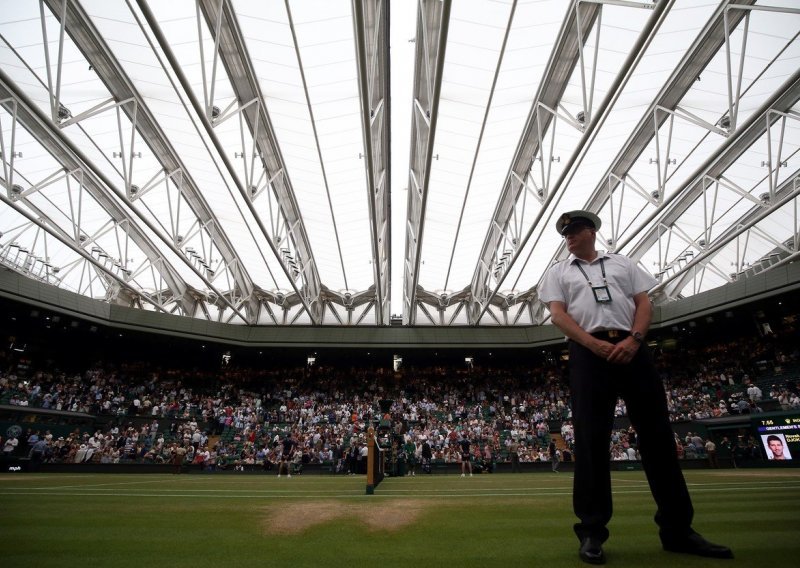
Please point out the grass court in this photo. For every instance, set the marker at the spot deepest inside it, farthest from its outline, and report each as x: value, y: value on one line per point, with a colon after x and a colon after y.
x: 503, y: 520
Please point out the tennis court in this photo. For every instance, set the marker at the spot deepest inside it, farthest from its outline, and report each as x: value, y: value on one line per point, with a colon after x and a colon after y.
x: 487, y: 520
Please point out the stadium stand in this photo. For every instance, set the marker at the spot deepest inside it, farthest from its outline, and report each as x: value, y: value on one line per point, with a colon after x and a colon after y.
x: 232, y: 417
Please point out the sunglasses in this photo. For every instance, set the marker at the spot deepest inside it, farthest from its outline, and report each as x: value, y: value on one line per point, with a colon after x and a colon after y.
x: 574, y: 230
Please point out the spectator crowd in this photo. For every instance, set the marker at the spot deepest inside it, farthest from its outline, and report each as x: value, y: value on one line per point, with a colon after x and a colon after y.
x: 239, y: 417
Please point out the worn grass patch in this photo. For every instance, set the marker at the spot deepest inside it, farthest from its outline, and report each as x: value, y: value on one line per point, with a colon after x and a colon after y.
x: 379, y: 515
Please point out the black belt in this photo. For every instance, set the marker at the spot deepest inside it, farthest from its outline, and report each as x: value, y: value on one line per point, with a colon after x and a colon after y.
x: 612, y: 335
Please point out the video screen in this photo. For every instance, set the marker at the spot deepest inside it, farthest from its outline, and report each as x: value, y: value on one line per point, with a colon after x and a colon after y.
x: 776, y: 447
x: 780, y: 437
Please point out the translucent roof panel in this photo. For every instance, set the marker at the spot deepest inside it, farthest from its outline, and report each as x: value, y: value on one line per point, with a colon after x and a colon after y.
x: 305, y: 61
x: 487, y: 91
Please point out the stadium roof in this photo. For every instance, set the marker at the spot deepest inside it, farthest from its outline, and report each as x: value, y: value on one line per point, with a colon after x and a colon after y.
x: 348, y: 162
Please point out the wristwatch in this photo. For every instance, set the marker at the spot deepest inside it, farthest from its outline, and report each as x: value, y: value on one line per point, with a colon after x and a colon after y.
x: 637, y: 335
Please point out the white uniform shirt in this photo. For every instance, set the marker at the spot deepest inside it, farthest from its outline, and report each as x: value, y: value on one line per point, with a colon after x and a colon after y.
x: 564, y: 282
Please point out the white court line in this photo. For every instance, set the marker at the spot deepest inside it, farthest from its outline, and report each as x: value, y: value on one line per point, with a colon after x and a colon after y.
x: 92, y: 491
x: 89, y: 485
x: 139, y: 479
x: 166, y: 478
x: 281, y: 496
x: 40, y: 476
x: 784, y: 483
x: 196, y: 495
x: 384, y: 493
x: 98, y: 491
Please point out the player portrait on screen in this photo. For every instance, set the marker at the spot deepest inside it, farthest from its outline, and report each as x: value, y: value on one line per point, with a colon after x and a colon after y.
x: 775, y: 446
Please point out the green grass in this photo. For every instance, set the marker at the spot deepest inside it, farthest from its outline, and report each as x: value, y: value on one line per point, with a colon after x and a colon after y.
x: 490, y: 520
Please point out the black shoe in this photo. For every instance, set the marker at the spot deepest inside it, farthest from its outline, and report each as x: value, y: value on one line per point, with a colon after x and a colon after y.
x: 697, y: 545
x: 591, y: 551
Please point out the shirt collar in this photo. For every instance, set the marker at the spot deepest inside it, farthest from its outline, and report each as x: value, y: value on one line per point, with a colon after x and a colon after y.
x: 600, y: 254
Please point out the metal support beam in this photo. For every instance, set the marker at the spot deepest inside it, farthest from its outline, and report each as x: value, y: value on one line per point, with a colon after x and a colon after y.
x: 371, y: 23
x: 708, y: 43
x: 54, y: 142
x: 235, y: 58
x: 564, y: 58
x: 672, y: 284
x: 566, y: 54
x: 716, y: 165
x: 88, y: 39
x: 433, y: 20
x: 101, y: 267
x: 8, y: 152
x: 735, y: 11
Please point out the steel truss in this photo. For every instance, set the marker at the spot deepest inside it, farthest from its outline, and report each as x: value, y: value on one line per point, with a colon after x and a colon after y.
x: 113, y: 269
x: 617, y: 181
x: 531, y: 165
x: 262, y: 163
x: 733, y: 12
x: 371, y: 23
x: 676, y: 272
x: 203, y: 241
x: 666, y: 106
x: 433, y: 19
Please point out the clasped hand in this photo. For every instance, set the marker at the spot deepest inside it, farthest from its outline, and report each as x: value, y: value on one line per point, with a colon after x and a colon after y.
x: 619, y: 353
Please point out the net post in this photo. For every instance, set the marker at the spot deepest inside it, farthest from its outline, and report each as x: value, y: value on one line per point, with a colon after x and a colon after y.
x: 371, y: 449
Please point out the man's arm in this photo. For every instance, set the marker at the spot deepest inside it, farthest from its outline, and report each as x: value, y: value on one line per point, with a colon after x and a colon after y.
x: 643, y: 313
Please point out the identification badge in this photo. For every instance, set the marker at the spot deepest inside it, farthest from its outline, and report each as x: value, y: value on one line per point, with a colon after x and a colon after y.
x: 601, y: 294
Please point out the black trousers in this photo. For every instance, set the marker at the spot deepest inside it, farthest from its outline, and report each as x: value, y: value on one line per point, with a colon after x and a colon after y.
x: 595, y: 385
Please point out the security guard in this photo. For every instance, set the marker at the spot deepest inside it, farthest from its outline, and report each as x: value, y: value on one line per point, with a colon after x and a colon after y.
x: 599, y: 300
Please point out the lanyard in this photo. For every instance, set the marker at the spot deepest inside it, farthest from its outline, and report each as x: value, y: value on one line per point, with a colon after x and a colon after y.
x: 602, y: 269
